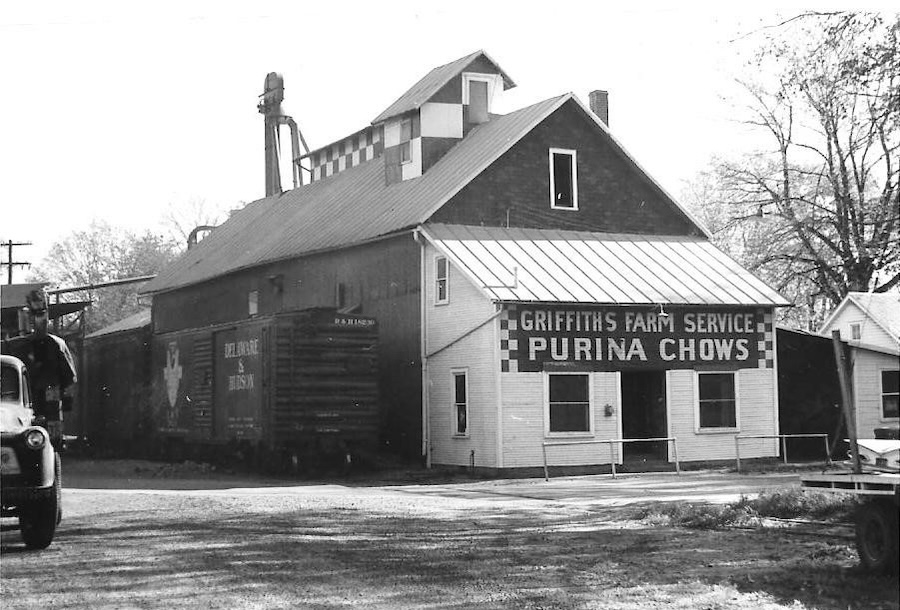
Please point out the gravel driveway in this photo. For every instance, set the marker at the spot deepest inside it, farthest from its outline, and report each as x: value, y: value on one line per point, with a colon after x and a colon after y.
x: 141, y: 536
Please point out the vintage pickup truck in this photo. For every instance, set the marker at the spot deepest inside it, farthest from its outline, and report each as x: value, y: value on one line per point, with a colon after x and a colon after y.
x: 29, y: 464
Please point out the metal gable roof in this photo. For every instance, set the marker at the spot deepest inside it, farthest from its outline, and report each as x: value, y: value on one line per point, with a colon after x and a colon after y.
x: 548, y: 266
x: 347, y: 208
x: 432, y: 82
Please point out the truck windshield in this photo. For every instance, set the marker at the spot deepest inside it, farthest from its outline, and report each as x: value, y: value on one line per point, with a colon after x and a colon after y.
x: 9, y: 383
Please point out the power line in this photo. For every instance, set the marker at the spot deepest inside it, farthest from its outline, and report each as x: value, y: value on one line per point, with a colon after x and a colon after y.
x: 10, y: 244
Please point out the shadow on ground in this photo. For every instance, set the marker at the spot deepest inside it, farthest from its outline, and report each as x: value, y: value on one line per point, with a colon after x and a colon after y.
x: 222, y: 556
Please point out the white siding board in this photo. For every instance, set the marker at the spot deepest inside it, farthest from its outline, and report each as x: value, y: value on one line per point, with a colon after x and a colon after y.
x: 467, y: 309
x: 523, y: 419
x: 867, y: 367
x: 757, y: 414
x: 871, y: 332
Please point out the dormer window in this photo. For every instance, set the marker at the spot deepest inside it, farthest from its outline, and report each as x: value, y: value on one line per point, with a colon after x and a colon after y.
x: 563, y: 180
x: 477, y: 89
x: 405, y: 138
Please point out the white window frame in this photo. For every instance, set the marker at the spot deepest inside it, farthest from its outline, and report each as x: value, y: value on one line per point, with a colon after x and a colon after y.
x: 574, y: 154
x: 737, y: 404
x: 591, y: 407
x: 437, y: 279
x: 855, y: 331
x: 881, y: 393
x: 454, y: 430
x: 490, y: 79
x: 253, y: 303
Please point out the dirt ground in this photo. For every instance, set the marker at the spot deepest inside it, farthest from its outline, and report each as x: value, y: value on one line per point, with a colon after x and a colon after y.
x: 147, y: 535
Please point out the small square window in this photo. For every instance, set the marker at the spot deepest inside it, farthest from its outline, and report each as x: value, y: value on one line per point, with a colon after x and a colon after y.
x: 569, y: 403
x: 890, y: 394
x: 460, y: 403
x: 442, y: 280
x: 718, y: 402
x: 563, y: 180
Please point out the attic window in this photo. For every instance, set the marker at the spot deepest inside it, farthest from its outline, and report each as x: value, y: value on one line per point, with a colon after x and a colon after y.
x: 855, y: 332
x: 478, y: 101
x: 563, y: 180
x: 405, y: 137
x: 477, y: 89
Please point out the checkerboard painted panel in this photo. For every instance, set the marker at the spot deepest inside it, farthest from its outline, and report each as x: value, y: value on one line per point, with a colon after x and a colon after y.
x: 347, y: 153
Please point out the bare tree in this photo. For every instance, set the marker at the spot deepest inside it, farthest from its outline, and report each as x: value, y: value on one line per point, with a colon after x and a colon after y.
x: 182, y: 219
x: 817, y: 213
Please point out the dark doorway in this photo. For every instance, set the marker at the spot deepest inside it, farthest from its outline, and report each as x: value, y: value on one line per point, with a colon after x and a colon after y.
x: 644, y: 414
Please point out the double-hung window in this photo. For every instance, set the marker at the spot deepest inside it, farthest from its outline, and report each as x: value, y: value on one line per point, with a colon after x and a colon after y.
x: 441, y: 281
x: 890, y: 391
x: 460, y: 392
x: 718, y: 400
x: 568, y: 403
x: 405, y: 140
x: 563, y: 179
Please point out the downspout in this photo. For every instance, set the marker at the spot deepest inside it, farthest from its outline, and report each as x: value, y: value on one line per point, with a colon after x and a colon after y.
x: 423, y: 347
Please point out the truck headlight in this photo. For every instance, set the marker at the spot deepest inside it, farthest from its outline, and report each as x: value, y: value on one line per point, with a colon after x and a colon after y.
x: 35, y: 439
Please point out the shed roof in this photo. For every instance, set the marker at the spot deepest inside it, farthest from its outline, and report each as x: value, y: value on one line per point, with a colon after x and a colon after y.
x: 13, y: 295
x: 432, y: 82
x: 541, y: 265
x: 134, y: 321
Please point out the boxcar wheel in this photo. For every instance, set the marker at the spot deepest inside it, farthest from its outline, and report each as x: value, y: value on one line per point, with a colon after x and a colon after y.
x: 38, y: 518
x: 876, y: 536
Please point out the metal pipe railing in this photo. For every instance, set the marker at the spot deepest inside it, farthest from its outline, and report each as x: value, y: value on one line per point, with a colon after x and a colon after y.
x: 783, y: 437
x: 612, y: 442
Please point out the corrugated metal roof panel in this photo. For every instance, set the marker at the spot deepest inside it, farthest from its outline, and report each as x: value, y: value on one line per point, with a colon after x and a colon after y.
x: 582, y: 267
x: 432, y: 82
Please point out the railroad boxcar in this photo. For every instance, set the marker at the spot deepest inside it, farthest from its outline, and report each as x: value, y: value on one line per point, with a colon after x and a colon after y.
x: 293, y: 390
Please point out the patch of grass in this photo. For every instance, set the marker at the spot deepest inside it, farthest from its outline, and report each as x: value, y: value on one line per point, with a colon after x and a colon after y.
x: 699, y: 516
x: 781, y: 504
x: 795, y: 503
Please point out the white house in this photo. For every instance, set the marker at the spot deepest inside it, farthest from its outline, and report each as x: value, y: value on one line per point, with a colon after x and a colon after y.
x: 870, y: 324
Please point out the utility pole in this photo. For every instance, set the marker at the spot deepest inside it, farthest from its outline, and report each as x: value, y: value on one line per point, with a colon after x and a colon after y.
x: 9, y: 258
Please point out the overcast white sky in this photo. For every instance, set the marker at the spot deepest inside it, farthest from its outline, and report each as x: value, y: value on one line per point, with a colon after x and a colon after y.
x: 115, y: 112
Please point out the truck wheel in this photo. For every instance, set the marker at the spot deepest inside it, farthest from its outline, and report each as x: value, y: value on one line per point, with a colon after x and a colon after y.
x: 38, y: 518
x: 876, y: 536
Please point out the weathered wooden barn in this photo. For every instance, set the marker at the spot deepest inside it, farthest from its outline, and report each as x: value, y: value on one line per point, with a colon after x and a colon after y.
x: 531, y: 282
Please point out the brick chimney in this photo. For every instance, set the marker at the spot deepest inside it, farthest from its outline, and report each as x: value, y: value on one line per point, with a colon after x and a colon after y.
x: 599, y: 103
